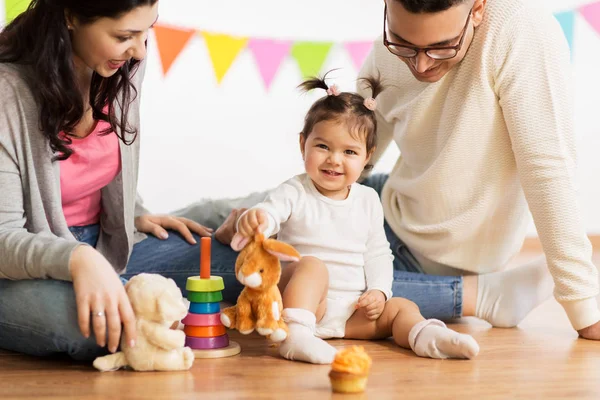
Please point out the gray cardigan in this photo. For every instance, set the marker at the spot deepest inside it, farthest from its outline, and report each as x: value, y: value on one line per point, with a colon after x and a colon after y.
x: 35, y: 241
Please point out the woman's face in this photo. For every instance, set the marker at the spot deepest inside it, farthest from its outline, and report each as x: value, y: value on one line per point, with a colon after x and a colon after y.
x: 106, y: 44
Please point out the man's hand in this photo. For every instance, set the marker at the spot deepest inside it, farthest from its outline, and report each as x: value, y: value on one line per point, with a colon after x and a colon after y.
x: 591, y: 332
x: 372, y: 303
x: 225, y: 232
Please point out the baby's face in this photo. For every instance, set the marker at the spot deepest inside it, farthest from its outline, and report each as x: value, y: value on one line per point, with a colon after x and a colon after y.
x: 333, y: 158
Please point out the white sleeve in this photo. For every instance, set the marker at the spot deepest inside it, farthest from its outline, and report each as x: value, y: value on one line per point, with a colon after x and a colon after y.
x: 532, y: 82
x: 279, y: 205
x: 379, y: 268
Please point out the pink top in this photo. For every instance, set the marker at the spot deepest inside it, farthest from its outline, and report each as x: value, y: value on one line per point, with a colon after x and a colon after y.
x: 96, y: 161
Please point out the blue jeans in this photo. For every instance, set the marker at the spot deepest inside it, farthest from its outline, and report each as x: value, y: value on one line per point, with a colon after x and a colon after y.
x: 437, y: 296
x: 39, y: 317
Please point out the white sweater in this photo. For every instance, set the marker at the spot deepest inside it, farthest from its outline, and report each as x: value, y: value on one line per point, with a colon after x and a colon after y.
x: 492, y: 137
x: 347, y: 235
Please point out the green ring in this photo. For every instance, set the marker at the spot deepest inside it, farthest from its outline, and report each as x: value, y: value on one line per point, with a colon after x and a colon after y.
x: 205, y: 297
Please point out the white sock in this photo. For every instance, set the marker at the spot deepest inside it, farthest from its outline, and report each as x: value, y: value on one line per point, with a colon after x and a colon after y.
x: 505, y: 298
x: 301, y: 343
x: 431, y: 338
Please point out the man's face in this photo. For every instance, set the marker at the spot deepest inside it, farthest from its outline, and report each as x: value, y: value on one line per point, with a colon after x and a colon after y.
x: 440, y: 29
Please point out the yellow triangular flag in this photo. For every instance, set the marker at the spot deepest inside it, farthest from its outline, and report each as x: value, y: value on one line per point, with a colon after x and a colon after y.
x: 223, y: 49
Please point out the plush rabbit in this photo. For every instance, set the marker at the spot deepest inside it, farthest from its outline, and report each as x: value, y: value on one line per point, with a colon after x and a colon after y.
x: 259, y: 305
x: 157, y: 303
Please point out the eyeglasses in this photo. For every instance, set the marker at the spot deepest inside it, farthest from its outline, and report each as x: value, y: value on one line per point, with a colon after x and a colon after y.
x: 434, y: 52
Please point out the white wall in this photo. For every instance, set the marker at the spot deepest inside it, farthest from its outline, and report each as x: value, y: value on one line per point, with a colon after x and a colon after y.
x: 204, y: 140
x: 201, y: 139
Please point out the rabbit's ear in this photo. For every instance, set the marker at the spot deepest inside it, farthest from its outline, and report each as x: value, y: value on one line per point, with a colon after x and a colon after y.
x: 239, y: 242
x: 282, y: 251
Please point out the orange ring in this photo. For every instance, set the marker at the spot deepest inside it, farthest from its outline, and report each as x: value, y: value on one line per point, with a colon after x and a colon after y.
x: 204, y: 331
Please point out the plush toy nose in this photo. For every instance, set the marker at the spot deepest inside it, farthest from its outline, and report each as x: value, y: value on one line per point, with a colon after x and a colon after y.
x: 253, y: 280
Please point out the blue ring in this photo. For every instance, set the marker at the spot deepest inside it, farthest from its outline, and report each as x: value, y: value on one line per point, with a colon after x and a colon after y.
x: 204, y: 308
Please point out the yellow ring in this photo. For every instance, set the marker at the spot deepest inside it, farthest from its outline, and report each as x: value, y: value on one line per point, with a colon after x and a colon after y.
x: 196, y: 284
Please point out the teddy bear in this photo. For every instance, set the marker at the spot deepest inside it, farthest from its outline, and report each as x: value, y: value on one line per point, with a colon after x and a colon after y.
x: 157, y: 303
x: 259, y: 305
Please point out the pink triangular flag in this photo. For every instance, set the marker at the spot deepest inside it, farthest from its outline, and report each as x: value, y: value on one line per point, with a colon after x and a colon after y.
x: 269, y: 54
x: 358, y: 52
x: 591, y: 12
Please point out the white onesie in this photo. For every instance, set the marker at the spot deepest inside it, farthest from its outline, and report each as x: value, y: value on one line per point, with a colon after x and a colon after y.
x: 347, y: 235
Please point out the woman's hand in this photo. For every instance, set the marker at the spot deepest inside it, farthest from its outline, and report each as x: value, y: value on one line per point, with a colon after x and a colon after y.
x: 101, y: 296
x: 158, y: 225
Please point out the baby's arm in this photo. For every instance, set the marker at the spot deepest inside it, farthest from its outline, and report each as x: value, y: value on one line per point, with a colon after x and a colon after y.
x: 273, y: 211
x: 379, y: 269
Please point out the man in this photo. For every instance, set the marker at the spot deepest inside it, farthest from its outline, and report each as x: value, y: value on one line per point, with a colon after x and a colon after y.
x: 479, y: 103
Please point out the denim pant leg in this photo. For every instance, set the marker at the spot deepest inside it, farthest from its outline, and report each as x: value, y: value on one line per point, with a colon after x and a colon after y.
x: 175, y: 258
x: 437, y: 296
x: 39, y: 316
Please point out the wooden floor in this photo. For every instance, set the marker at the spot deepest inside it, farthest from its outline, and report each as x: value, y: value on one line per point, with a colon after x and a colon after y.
x: 541, y: 359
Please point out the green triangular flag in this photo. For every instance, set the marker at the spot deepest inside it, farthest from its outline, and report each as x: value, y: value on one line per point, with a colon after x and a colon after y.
x: 310, y: 56
x: 14, y: 8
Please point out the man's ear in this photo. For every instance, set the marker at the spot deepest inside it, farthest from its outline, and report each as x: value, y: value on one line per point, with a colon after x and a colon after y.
x: 478, y: 11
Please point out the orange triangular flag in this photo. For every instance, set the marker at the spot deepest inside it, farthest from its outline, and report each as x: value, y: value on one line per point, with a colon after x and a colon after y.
x: 223, y: 50
x: 170, y: 42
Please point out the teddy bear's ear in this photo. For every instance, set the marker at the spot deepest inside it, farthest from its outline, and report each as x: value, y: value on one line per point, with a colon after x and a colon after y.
x: 282, y: 251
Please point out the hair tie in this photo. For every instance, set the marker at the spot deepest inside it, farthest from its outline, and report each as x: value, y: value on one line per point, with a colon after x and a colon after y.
x: 333, y: 90
x: 370, y: 103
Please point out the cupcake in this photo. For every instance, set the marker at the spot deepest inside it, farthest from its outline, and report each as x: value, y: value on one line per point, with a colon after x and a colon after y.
x: 349, y: 370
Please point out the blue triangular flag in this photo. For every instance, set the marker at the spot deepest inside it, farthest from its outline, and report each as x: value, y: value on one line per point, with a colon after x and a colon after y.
x: 567, y: 22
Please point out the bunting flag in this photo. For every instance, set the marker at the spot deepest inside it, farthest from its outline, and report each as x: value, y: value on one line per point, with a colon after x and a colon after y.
x: 14, y: 7
x: 269, y: 54
x: 591, y: 13
x: 567, y: 22
x: 358, y: 52
x: 310, y: 56
x: 170, y: 42
x: 223, y: 50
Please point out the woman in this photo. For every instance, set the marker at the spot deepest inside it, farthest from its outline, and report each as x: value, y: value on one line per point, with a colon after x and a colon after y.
x: 70, y: 219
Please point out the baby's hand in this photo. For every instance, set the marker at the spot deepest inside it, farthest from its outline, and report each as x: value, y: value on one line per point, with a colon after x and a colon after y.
x: 372, y: 303
x: 253, y: 219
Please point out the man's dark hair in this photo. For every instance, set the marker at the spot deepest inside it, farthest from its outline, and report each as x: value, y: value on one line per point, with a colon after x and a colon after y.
x: 428, y: 6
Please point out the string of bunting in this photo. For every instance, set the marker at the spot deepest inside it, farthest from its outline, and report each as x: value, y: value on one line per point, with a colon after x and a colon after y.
x: 224, y: 49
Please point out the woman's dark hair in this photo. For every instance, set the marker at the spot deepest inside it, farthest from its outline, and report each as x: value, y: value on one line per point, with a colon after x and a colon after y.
x: 40, y: 40
x: 345, y: 107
